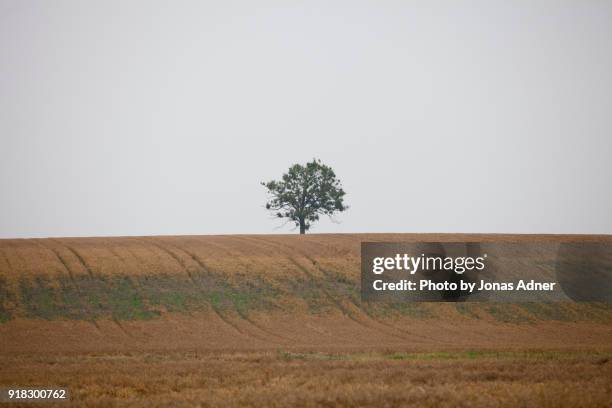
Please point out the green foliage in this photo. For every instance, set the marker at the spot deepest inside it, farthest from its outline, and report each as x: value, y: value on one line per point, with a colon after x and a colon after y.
x: 304, y: 193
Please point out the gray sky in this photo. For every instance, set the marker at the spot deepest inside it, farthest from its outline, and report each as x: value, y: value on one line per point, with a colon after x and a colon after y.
x: 162, y: 117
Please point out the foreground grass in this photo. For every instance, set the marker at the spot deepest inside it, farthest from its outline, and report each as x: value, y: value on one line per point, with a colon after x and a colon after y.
x: 285, y: 378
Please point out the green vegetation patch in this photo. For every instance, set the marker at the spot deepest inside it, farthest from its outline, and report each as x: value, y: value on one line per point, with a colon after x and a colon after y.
x: 123, y: 297
x: 506, y: 313
x: 132, y: 298
x: 7, y: 298
x: 468, y: 310
x: 85, y: 298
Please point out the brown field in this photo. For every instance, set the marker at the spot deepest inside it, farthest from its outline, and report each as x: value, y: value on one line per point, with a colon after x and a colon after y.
x: 525, y: 379
x: 278, y: 320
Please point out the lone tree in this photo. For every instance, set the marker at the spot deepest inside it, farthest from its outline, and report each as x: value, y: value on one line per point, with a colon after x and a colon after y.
x: 305, y: 193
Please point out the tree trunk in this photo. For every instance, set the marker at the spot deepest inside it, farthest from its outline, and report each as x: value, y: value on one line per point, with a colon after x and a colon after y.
x: 302, y: 227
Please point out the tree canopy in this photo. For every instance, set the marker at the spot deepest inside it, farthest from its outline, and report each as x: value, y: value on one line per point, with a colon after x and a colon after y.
x: 304, y: 193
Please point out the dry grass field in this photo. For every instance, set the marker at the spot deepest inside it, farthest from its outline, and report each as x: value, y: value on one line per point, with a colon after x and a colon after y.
x: 282, y: 378
x: 278, y: 320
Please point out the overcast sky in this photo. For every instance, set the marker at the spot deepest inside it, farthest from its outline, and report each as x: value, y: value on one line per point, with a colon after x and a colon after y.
x: 162, y: 117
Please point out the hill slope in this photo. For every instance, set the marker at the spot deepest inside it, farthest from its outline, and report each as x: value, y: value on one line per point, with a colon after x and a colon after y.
x: 252, y: 291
